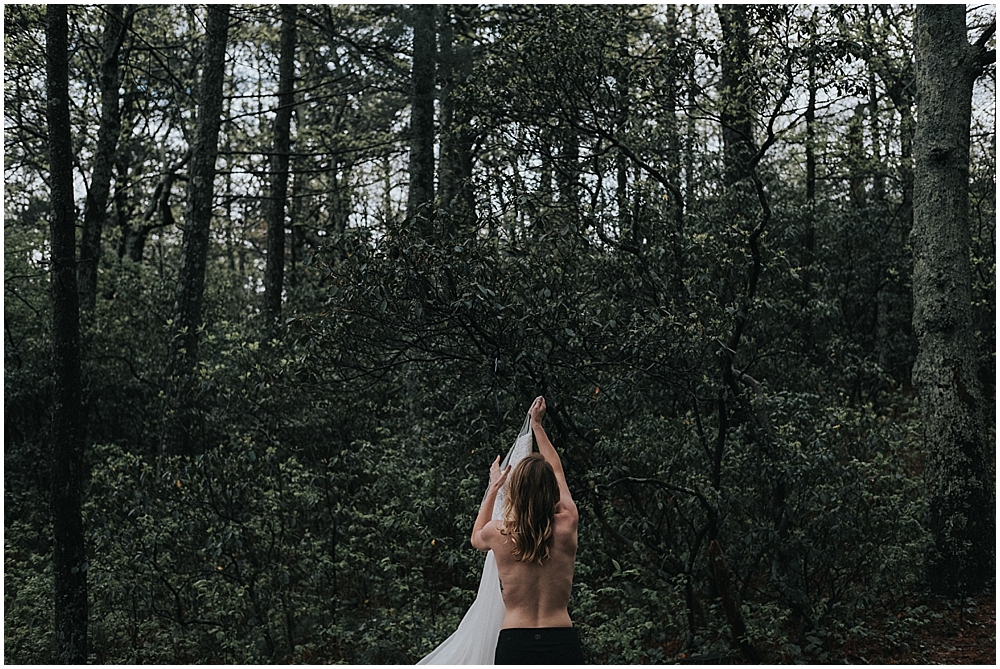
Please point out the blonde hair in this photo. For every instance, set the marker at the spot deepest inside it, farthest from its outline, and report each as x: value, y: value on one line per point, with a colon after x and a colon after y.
x: 529, y: 508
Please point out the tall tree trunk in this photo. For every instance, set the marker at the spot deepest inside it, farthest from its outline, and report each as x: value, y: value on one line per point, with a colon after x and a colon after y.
x: 809, y: 273
x: 96, y: 208
x: 735, y: 92
x: 856, y: 159
x: 194, y: 247
x: 70, y: 561
x: 421, y: 194
x: 274, y: 273
x: 123, y: 162
x: 296, y: 245
x: 673, y: 75
x: 878, y: 180
x: 962, y: 517
x: 690, y: 130
x: 809, y: 241
x: 623, y: 86
x: 457, y: 159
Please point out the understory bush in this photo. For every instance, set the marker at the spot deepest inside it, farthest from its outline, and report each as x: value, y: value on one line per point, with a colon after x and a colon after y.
x: 846, y: 540
x: 239, y: 556
x: 248, y: 555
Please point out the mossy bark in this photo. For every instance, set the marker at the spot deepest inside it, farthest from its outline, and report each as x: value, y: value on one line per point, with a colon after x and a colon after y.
x: 962, y: 512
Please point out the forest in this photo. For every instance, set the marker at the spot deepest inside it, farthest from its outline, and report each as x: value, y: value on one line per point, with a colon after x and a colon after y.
x: 281, y: 281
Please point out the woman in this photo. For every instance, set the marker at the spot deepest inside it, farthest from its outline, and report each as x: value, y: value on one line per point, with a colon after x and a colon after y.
x: 535, y: 548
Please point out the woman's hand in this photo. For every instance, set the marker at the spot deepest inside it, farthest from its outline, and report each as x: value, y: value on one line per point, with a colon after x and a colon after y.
x: 537, y: 411
x: 497, y: 477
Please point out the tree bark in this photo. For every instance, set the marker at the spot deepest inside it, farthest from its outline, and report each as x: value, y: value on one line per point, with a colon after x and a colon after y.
x: 457, y: 159
x: 421, y: 194
x: 70, y: 561
x: 809, y: 232
x: 275, y: 270
x: 737, y: 107
x: 856, y: 159
x: 96, y: 208
x: 690, y: 130
x: 194, y: 247
x: 734, y: 616
x: 962, y: 518
x: 672, y: 74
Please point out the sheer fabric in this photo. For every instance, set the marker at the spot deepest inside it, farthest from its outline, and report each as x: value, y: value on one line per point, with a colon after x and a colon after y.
x: 475, y: 640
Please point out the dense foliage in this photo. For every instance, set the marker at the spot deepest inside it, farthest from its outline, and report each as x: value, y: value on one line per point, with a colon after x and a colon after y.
x: 727, y: 363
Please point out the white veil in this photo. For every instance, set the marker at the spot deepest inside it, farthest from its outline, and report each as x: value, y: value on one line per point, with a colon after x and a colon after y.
x: 475, y: 640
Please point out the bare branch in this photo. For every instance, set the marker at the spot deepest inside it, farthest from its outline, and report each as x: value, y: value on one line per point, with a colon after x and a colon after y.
x: 981, y: 56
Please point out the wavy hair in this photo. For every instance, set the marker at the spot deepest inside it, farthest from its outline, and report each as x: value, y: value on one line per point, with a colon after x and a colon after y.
x: 529, y: 508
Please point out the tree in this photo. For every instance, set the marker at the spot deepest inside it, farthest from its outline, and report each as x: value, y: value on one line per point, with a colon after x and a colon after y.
x: 95, y: 209
x: 278, y: 196
x: 194, y: 250
x: 422, y: 111
x: 735, y: 91
x: 945, y: 373
x: 455, y: 167
x: 70, y: 561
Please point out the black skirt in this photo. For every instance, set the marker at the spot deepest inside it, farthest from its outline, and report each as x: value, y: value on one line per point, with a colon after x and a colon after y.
x: 539, y: 645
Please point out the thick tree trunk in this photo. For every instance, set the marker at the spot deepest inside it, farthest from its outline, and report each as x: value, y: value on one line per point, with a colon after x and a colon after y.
x: 275, y: 270
x: 962, y: 511
x: 420, y: 203
x: 194, y: 248
x: 96, y: 208
x: 70, y: 561
x: 421, y: 195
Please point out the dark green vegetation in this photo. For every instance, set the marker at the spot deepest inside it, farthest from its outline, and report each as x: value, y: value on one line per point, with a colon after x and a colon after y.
x: 688, y: 227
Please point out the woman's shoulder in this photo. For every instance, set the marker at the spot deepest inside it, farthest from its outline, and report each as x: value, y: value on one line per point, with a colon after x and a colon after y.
x: 566, y: 509
x: 566, y: 518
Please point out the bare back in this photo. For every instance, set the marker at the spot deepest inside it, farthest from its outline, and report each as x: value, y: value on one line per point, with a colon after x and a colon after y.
x: 534, y: 595
x: 537, y: 595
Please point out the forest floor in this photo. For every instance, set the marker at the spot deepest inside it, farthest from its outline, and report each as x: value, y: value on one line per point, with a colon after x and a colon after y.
x: 950, y: 632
